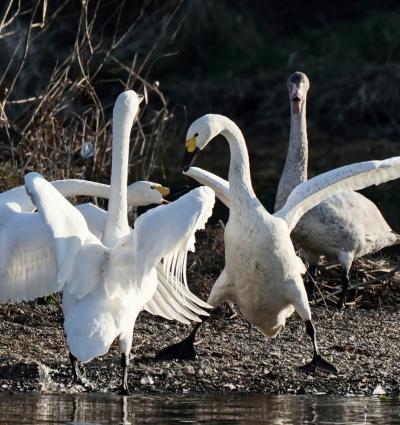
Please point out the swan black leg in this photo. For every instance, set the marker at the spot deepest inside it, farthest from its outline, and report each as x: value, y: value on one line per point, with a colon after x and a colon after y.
x: 345, y: 288
x: 310, y: 283
x: 318, y: 361
x: 77, y: 375
x: 183, y: 350
x: 124, y: 390
x: 75, y: 367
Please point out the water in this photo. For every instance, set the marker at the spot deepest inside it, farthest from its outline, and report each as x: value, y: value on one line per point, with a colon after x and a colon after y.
x: 207, y: 409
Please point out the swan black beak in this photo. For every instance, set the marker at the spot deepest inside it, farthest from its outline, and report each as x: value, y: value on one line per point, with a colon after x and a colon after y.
x: 189, y: 158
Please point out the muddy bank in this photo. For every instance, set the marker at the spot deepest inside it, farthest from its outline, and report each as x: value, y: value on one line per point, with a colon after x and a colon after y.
x: 232, y: 356
x: 363, y: 343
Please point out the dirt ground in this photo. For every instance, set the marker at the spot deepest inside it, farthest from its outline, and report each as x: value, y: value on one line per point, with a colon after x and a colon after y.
x: 362, y: 341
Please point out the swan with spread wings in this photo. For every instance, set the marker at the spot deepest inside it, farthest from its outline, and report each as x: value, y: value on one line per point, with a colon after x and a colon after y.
x: 106, y: 282
x: 262, y: 272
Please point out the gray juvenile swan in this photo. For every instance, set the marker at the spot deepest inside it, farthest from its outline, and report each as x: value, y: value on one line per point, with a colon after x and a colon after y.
x: 262, y: 272
x: 343, y: 227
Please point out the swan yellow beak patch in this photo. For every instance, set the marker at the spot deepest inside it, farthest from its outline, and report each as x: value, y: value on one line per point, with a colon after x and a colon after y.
x: 165, y: 191
x: 190, y: 144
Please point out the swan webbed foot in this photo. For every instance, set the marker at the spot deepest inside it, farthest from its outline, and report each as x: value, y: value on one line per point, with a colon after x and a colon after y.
x: 82, y: 380
x: 78, y: 378
x: 124, y: 390
x: 319, y: 362
x: 183, y: 350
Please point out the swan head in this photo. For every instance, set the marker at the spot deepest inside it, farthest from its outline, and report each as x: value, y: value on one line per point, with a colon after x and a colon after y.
x: 198, y: 136
x: 144, y: 193
x: 127, y: 105
x: 298, y: 85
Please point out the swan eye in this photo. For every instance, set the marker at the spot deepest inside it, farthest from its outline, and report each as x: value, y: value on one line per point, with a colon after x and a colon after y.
x: 196, y: 134
x: 152, y: 187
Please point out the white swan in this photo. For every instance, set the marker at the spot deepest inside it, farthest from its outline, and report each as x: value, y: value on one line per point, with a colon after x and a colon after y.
x: 343, y: 227
x: 262, y: 273
x: 106, y: 283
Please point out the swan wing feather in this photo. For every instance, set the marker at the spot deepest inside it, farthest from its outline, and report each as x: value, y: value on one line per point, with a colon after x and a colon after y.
x: 162, y: 233
x: 184, y: 305
x: 350, y: 177
x: 69, y: 232
x: 27, y: 260
x: 219, y: 185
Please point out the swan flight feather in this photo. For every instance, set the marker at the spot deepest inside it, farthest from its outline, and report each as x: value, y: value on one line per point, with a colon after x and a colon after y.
x: 350, y: 177
x: 184, y: 216
x: 66, y: 224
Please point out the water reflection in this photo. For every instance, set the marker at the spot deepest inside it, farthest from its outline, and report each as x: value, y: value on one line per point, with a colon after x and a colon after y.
x: 218, y: 409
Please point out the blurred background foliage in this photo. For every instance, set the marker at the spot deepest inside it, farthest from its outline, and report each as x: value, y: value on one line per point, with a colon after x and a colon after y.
x: 192, y: 57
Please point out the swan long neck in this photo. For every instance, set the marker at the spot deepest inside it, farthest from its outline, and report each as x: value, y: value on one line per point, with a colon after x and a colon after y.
x: 295, y: 169
x: 76, y: 187
x: 117, y: 216
x: 240, y: 186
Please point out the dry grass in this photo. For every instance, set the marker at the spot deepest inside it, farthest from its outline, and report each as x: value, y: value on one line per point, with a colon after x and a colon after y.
x: 374, y: 282
x: 55, y: 107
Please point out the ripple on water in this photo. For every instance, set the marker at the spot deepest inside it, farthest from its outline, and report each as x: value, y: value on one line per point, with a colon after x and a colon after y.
x: 179, y: 409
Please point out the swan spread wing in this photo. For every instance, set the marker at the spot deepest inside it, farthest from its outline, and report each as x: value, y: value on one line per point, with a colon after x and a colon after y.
x: 165, y: 232
x: 18, y: 196
x: 350, y: 177
x: 95, y: 218
x: 28, y: 265
x: 27, y: 262
x: 168, y: 232
x: 70, y: 235
x: 218, y: 184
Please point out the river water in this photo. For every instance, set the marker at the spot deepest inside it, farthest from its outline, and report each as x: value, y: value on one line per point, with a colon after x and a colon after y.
x: 207, y: 409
